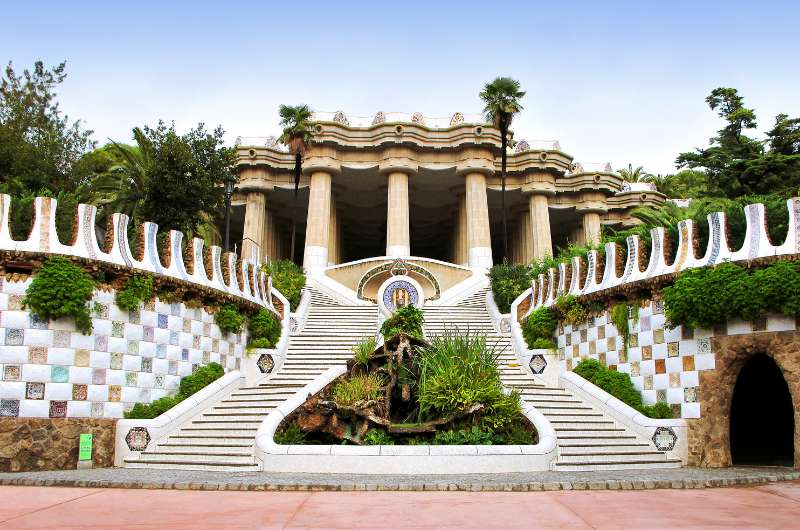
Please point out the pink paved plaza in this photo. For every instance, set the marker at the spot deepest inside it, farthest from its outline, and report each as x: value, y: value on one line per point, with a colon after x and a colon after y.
x: 767, y: 506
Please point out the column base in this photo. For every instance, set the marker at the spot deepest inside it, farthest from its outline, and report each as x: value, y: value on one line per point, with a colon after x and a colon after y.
x: 398, y: 251
x: 315, y: 259
x: 480, y: 257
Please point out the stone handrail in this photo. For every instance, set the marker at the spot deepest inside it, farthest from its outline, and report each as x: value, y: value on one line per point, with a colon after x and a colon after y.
x: 578, y: 278
x: 209, y: 268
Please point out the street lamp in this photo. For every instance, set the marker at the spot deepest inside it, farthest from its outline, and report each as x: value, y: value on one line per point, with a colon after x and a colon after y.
x: 230, y: 187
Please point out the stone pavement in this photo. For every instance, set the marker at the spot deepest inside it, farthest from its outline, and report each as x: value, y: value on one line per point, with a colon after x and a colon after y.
x: 682, y: 478
x: 765, y: 506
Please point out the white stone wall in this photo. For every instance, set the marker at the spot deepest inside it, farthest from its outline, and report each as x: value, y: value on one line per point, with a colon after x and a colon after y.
x: 664, y: 364
x: 49, y: 369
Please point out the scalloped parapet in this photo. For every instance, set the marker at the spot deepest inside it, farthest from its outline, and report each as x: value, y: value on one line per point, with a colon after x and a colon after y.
x: 209, y: 268
x: 628, y: 266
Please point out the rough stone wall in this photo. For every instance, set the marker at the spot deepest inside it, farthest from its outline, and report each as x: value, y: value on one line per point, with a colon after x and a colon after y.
x: 709, y: 435
x: 38, y: 444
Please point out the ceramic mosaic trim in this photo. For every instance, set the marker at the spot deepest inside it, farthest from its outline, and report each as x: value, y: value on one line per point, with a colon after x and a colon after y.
x: 388, y: 267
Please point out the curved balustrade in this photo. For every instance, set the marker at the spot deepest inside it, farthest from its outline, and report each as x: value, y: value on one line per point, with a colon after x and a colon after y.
x: 205, y: 267
x: 635, y: 264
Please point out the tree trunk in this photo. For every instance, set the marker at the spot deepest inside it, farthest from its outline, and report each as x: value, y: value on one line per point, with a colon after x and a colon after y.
x: 504, y: 145
x: 298, y: 163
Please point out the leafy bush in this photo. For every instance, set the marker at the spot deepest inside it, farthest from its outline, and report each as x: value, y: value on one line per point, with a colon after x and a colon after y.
x: 229, y: 319
x: 540, y: 324
x: 260, y: 344
x: 287, y: 278
x: 708, y: 296
x: 357, y: 388
x: 201, y: 378
x: 291, y: 435
x: 407, y: 319
x: 61, y: 289
x: 364, y: 349
x: 620, y: 313
x: 571, y: 310
x: 542, y: 344
x: 516, y: 434
x: 508, y: 282
x: 620, y: 386
x: 377, y: 437
x: 473, y: 436
x: 137, y: 289
x: 265, y: 329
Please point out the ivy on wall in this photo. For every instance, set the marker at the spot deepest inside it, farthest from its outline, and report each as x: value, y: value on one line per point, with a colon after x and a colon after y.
x: 61, y: 289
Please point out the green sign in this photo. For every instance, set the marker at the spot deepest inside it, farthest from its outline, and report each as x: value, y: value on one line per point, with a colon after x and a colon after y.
x: 85, y: 447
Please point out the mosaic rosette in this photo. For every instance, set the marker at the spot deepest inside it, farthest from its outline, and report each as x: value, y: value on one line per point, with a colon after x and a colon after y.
x: 137, y: 439
x: 265, y: 363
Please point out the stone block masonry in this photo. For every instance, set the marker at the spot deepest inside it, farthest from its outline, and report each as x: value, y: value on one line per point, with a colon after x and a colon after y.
x: 34, y: 444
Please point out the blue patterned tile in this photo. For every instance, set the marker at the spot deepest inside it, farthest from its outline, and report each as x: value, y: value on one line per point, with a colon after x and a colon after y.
x: 185, y: 354
x: 175, y: 309
x: 161, y: 351
x: 59, y: 374
x: 173, y: 338
x: 9, y: 408
x: 163, y: 321
x: 38, y: 323
x: 15, y: 337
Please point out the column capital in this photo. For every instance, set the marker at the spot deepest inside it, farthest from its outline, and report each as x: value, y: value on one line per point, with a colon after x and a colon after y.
x: 321, y: 165
x: 398, y: 165
x: 480, y: 167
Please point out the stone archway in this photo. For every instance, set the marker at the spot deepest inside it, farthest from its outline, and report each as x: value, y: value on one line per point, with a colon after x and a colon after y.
x: 762, y: 419
x: 709, y: 435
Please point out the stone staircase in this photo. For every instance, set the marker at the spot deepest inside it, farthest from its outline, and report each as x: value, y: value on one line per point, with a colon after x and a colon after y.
x: 588, y: 439
x: 222, y: 437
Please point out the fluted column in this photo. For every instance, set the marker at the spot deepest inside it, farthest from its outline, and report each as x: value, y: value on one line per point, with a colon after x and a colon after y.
x: 478, y: 230
x: 254, y: 221
x: 398, y: 239
x: 315, y: 255
x: 591, y: 227
x: 540, y: 225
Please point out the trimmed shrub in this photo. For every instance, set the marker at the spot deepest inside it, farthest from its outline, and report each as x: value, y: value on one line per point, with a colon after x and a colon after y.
x: 619, y: 385
x: 287, y: 278
x: 229, y: 319
x: 61, y: 289
x: 265, y: 329
x: 540, y: 324
x: 508, y: 282
x: 201, y: 378
x: 542, y: 344
x: 407, y: 319
x: 137, y: 289
x: 378, y: 437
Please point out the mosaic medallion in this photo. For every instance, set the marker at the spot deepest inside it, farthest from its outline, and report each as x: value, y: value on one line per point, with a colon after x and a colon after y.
x: 521, y: 146
x: 664, y: 438
x: 400, y: 293
x: 265, y: 363
x: 457, y: 119
x: 505, y: 325
x: 137, y: 439
x: 537, y: 363
x: 418, y: 118
x: 379, y: 118
x: 340, y: 118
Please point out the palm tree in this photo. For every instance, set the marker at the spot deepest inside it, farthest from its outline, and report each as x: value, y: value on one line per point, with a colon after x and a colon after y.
x: 121, y: 187
x: 296, y: 123
x: 635, y: 175
x: 501, y: 97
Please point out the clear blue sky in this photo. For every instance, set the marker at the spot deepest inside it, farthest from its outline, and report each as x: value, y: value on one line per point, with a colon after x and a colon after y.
x: 612, y: 81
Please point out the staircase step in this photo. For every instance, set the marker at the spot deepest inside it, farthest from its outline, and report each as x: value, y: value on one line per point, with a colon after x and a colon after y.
x: 609, y: 465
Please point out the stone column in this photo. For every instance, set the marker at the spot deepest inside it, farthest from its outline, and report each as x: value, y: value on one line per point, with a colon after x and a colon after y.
x: 463, y: 243
x: 332, y: 228
x: 526, y: 241
x: 478, y: 232
x: 398, y: 239
x: 540, y: 223
x: 315, y: 255
x: 254, y: 220
x: 591, y: 227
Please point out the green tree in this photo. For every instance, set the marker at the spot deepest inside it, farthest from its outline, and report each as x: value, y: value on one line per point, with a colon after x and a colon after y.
x: 737, y: 165
x: 501, y: 98
x: 685, y: 184
x: 120, y: 185
x: 630, y: 174
x: 296, y: 135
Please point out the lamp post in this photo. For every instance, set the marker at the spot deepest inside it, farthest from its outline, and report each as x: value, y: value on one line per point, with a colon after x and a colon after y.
x: 230, y: 184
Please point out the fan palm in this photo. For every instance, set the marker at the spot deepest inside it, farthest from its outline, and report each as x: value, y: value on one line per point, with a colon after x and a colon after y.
x: 121, y: 188
x: 501, y: 98
x: 630, y: 174
x: 296, y: 135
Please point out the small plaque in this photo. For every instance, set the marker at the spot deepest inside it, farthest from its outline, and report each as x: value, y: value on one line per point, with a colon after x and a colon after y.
x: 85, y: 447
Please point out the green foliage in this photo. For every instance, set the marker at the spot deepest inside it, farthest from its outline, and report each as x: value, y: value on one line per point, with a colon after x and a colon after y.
x: 296, y: 126
x: 620, y: 313
x: 620, y: 386
x: 364, y: 349
x: 229, y: 319
x: 516, y: 434
x: 508, y: 282
x: 407, y: 319
x: 501, y: 99
x: 61, y: 289
x: 708, y: 296
x: 265, y: 329
x: 736, y: 164
x: 503, y: 410
x: 571, y: 311
x: 540, y: 324
x: 137, y: 289
x: 542, y: 344
x: 288, y: 279
x: 290, y: 435
x: 377, y: 437
x: 357, y: 388
x: 260, y: 344
x: 202, y: 377
x: 473, y: 436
